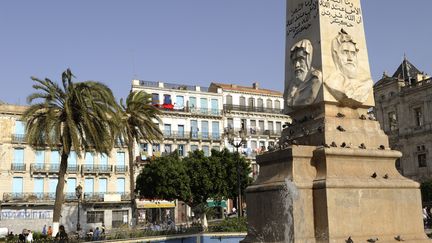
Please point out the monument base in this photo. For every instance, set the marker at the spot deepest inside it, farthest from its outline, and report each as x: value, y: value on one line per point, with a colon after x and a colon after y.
x: 316, y: 194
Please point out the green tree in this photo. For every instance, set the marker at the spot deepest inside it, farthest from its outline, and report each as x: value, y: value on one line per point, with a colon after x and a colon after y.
x: 164, y: 178
x: 137, y: 123
x: 207, y: 180
x: 74, y: 116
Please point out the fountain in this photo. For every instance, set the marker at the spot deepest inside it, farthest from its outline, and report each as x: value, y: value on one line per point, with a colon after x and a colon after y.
x: 333, y: 177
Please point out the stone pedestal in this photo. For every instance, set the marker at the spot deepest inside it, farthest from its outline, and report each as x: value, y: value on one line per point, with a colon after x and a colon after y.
x: 280, y: 202
x: 358, y: 193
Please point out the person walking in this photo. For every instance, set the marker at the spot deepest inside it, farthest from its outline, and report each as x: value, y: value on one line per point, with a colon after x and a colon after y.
x: 44, y: 231
x: 49, y: 232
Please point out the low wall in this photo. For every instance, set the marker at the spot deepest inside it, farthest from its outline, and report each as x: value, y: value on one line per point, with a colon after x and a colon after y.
x: 195, y: 238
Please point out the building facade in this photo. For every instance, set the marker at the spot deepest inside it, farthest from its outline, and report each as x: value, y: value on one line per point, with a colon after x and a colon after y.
x: 192, y: 118
x: 29, y: 180
x: 404, y: 110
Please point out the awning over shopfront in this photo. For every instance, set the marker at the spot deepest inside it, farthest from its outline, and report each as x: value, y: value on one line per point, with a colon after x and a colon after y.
x: 212, y: 203
x: 155, y: 204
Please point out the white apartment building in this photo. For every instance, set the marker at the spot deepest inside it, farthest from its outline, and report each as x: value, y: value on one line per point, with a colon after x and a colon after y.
x: 29, y: 180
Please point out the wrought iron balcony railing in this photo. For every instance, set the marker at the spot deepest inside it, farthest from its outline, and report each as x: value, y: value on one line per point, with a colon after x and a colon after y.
x: 96, y: 169
x: 99, y: 196
x: 228, y: 107
x: 121, y: 169
x: 28, y: 196
x: 18, y: 167
x: 194, y: 135
x: 18, y: 138
x: 44, y: 168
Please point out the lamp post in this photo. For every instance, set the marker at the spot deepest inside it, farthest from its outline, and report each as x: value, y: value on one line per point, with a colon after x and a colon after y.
x: 78, y: 194
x: 237, y: 140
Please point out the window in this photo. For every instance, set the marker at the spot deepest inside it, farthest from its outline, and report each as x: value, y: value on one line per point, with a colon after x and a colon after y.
x: 421, y: 159
x: 215, y: 130
x: 70, y: 187
x: 205, y: 129
x: 179, y: 105
x: 121, y: 185
x: 242, y: 102
x: 230, y: 122
x: 18, y: 156
x: 40, y: 156
x: 206, y: 150
x: 55, y: 157
x: 89, y: 159
x: 39, y: 185
x: 192, y: 103
x: 95, y: 217
x: 194, y: 128
x: 392, y: 118
x: 260, y: 104
x: 143, y: 151
x: 167, y: 148
x: 214, y: 107
x: 72, y: 159
x: 17, y: 185
x: 155, y: 99
x: 243, y: 124
x: 269, y: 104
x: 194, y: 147
x: 88, y: 185
x: 251, y: 102
x: 52, y: 184
x: 203, y: 105
x: 277, y: 104
x: 418, y: 116
x: 167, y: 99
x: 121, y: 158
x: 156, y: 147
x: 103, y: 185
x: 270, y: 126
x: 217, y: 148
x: 104, y: 159
x: 229, y: 100
x: 262, y: 145
x: 167, y: 130
x: 278, y: 127
x: 180, y: 131
x: 119, y: 218
x: 180, y: 149
x: 19, y: 128
x: 261, y: 125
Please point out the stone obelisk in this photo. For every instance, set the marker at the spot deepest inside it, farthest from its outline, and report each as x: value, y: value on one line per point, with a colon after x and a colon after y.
x: 333, y: 178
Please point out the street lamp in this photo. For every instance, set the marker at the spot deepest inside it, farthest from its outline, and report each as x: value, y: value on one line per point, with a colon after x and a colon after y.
x: 78, y: 193
x: 237, y: 139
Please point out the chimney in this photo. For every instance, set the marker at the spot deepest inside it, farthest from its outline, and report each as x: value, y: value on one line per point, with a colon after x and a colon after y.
x: 255, y: 85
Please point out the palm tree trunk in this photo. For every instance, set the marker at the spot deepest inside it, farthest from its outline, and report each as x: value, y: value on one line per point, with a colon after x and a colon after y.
x: 132, y: 180
x: 59, y: 196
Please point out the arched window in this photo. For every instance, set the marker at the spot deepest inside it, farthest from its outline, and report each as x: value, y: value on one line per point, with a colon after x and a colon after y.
x: 277, y: 104
x: 269, y: 104
x: 242, y: 102
x: 251, y: 102
x: 260, y: 104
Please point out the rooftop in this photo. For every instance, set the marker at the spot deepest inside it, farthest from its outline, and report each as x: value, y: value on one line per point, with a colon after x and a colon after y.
x: 254, y: 89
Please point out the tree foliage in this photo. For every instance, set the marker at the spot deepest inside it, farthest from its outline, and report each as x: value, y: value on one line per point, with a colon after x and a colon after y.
x: 164, y: 178
x: 74, y: 115
x: 195, y: 178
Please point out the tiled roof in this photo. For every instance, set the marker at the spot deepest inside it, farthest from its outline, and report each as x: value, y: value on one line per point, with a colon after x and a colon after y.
x: 406, y: 71
x: 257, y: 90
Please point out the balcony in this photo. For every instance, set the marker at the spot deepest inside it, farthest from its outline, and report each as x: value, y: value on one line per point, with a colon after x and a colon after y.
x: 228, y: 107
x: 96, y: 169
x: 28, y: 196
x: 121, y: 169
x: 192, y: 135
x: 256, y: 131
x: 44, y: 168
x: 189, y: 109
x: 99, y: 196
x: 18, y: 167
x: 18, y: 138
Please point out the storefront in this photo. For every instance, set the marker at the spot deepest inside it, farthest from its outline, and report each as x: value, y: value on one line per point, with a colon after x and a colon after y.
x: 155, y: 212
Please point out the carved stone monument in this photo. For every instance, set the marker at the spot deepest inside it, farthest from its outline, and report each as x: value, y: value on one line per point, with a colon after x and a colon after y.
x: 333, y: 178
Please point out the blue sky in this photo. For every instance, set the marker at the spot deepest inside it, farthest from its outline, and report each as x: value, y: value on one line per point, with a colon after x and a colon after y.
x: 189, y: 41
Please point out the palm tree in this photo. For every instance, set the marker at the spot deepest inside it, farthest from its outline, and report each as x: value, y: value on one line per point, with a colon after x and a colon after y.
x: 74, y: 116
x: 137, y: 123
